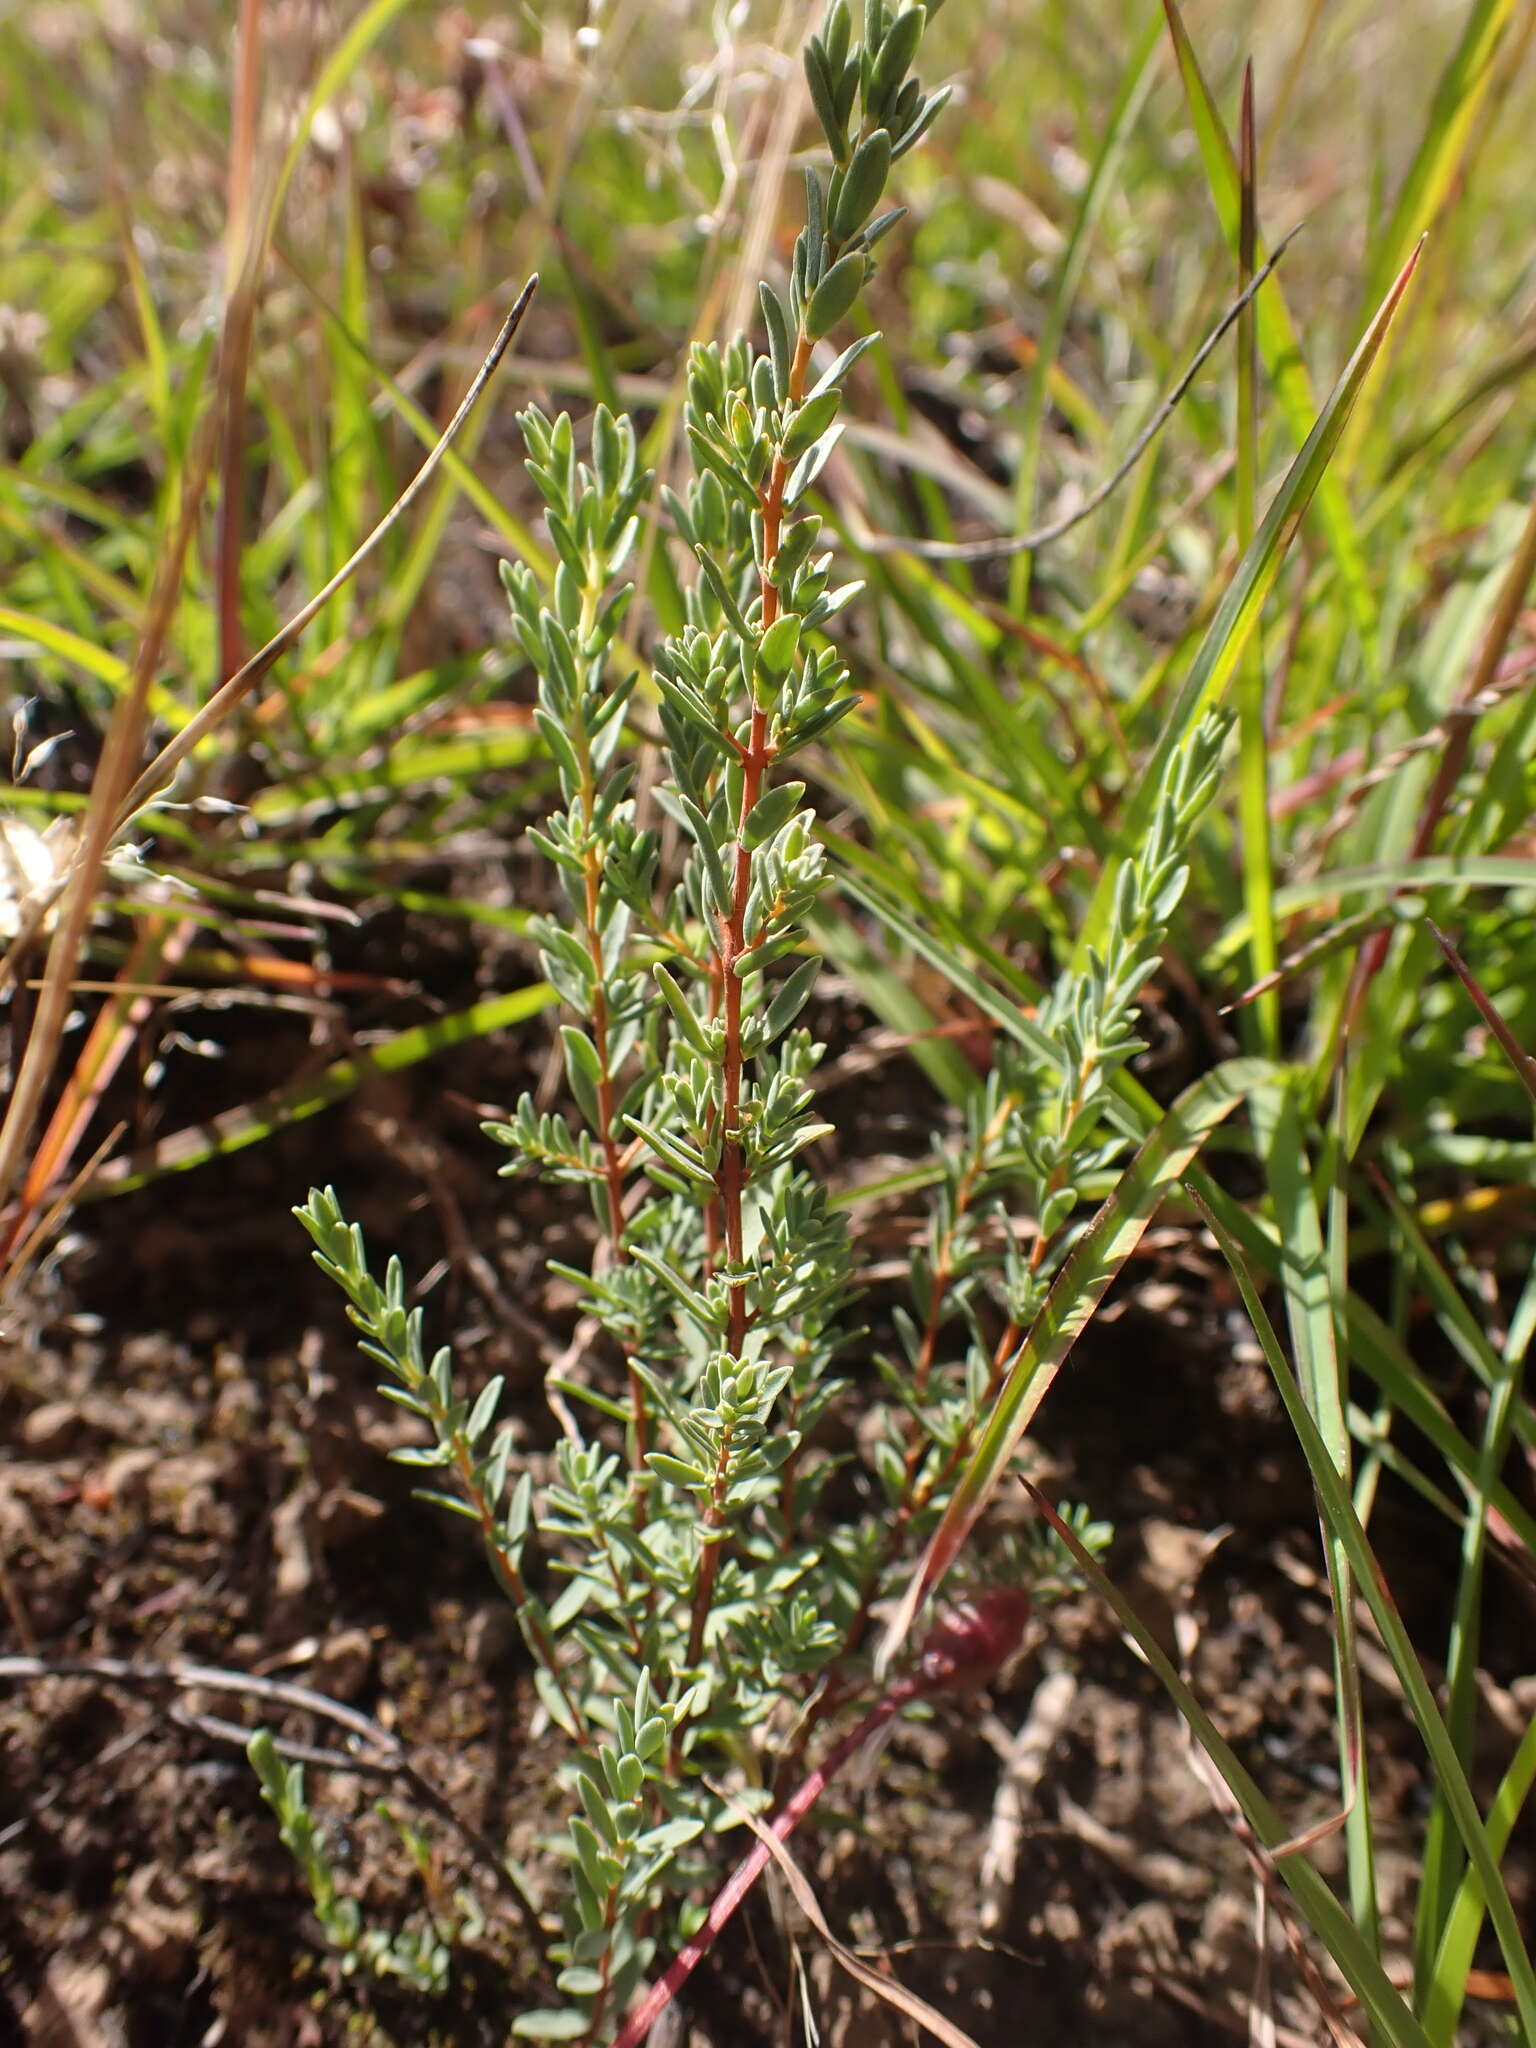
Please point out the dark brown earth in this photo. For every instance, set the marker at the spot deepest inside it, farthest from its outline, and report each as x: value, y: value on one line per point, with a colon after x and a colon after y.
x: 194, y: 1467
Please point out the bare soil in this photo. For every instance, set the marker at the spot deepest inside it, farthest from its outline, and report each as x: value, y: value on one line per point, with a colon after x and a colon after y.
x: 195, y: 1469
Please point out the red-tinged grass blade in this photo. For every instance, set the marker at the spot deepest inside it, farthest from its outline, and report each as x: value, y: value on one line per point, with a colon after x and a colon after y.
x: 1279, y: 343
x: 1514, y: 1052
x: 1329, y: 1922
x: 223, y: 701
x: 1453, y: 759
x: 251, y: 188
x: 1338, y: 1512
x: 115, y: 1029
x: 110, y: 809
x: 1253, y: 714
x: 122, y: 749
x: 1221, y: 650
x: 253, y: 1121
x: 1076, y: 1292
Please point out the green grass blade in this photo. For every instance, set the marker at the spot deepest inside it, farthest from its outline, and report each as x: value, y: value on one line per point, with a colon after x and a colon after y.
x: 67, y: 646
x: 1134, y: 88
x: 1444, y: 1871
x: 251, y: 1122
x: 1379, y: 1352
x: 1339, y: 1513
x: 1308, y: 1286
x: 360, y: 37
x: 1452, y: 122
x: 1236, y: 615
x: 1262, y: 1020
x: 1279, y: 343
x: 1329, y: 1922
x: 1446, y: 1990
x: 1384, y: 878
x: 893, y: 1000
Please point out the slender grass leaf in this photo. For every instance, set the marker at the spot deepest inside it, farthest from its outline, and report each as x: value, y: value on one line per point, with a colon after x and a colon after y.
x: 1279, y: 343
x: 1339, y: 1513
x: 248, y: 1124
x: 1332, y: 1925
x: 1236, y: 615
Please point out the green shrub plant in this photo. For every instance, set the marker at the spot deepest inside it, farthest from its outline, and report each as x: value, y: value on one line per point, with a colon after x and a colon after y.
x: 683, y: 1587
x: 699, y: 1577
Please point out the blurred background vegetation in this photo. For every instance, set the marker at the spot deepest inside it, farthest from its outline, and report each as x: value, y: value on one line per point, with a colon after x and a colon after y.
x: 302, y: 223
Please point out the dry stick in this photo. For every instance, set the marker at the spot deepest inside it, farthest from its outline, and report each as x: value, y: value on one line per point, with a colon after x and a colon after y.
x: 1024, y: 543
x: 102, y: 822
x: 250, y: 224
x: 222, y: 702
x: 388, y: 1758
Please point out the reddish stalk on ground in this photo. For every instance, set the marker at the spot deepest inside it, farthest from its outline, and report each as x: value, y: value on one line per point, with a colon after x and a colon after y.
x: 965, y: 1647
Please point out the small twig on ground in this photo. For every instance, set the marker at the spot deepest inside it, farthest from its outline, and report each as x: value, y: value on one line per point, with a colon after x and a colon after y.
x: 1025, y: 1757
x: 384, y: 1754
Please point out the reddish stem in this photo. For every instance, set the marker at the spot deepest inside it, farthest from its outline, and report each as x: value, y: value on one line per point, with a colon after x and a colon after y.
x: 963, y: 1650
x: 723, y: 1217
x: 243, y: 273
x: 753, y: 1864
x: 755, y: 763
